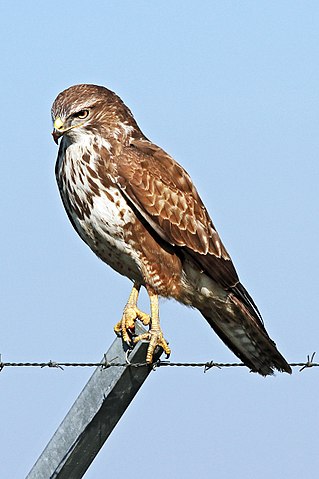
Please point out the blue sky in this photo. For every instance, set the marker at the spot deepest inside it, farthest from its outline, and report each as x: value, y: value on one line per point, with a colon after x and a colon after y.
x: 230, y: 89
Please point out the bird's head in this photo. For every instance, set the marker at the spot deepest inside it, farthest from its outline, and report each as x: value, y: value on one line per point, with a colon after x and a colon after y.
x: 90, y: 109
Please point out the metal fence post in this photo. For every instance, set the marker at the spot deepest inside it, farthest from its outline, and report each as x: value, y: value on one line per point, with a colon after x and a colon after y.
x: 93, y: 415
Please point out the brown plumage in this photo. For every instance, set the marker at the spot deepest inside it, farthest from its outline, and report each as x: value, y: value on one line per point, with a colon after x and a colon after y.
x: 140, y: 212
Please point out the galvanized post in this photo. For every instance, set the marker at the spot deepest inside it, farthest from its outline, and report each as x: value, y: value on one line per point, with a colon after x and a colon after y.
x: 94, y: 415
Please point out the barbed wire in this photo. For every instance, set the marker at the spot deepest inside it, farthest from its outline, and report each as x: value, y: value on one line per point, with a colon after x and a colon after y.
x: 157, y: 364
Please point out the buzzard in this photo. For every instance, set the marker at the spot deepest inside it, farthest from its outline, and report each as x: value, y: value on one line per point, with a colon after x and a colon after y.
x: 139, y: 211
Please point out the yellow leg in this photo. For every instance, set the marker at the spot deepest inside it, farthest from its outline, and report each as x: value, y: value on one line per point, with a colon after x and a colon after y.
x: 155, y: 334
x: 125, y: 327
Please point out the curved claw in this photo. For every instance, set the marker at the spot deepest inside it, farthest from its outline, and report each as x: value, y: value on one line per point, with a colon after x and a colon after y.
x: 126, y: 326
x: 155, y: 338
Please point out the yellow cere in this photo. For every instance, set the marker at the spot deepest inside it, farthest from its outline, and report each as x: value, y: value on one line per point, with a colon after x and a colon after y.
x: 58, y: 123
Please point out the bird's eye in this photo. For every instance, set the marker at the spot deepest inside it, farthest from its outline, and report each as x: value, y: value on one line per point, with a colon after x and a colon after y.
x: 81, y: 114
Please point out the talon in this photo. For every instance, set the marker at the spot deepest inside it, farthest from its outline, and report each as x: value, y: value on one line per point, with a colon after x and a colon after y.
x: 156, y: 339
x: 126, y: 326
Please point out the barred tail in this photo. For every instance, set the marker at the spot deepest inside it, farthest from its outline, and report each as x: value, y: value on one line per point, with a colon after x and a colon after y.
x: 244, y: 333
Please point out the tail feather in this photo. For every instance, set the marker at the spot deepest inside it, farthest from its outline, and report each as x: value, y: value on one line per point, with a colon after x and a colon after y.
x: 246, y: 336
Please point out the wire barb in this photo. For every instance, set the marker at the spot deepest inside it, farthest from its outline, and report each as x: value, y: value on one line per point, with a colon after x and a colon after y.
x: 210, y: 365
x: 52, y: 364
x: 105, y: 363
x: 309, y: 363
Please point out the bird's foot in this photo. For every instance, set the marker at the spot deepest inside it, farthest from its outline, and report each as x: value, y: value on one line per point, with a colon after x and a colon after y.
x: 155, y: 338
x: 126, y: 326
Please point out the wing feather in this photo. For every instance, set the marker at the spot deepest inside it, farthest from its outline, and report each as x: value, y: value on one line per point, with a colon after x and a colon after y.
x: 161, y: 188
x: 164, y: 194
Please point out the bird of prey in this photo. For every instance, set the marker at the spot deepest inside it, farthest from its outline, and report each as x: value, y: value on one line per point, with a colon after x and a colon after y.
x: 139, y: 212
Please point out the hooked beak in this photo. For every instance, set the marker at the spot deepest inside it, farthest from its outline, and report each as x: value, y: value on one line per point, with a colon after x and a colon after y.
x: 56, y: 135
x: 58, y: 129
